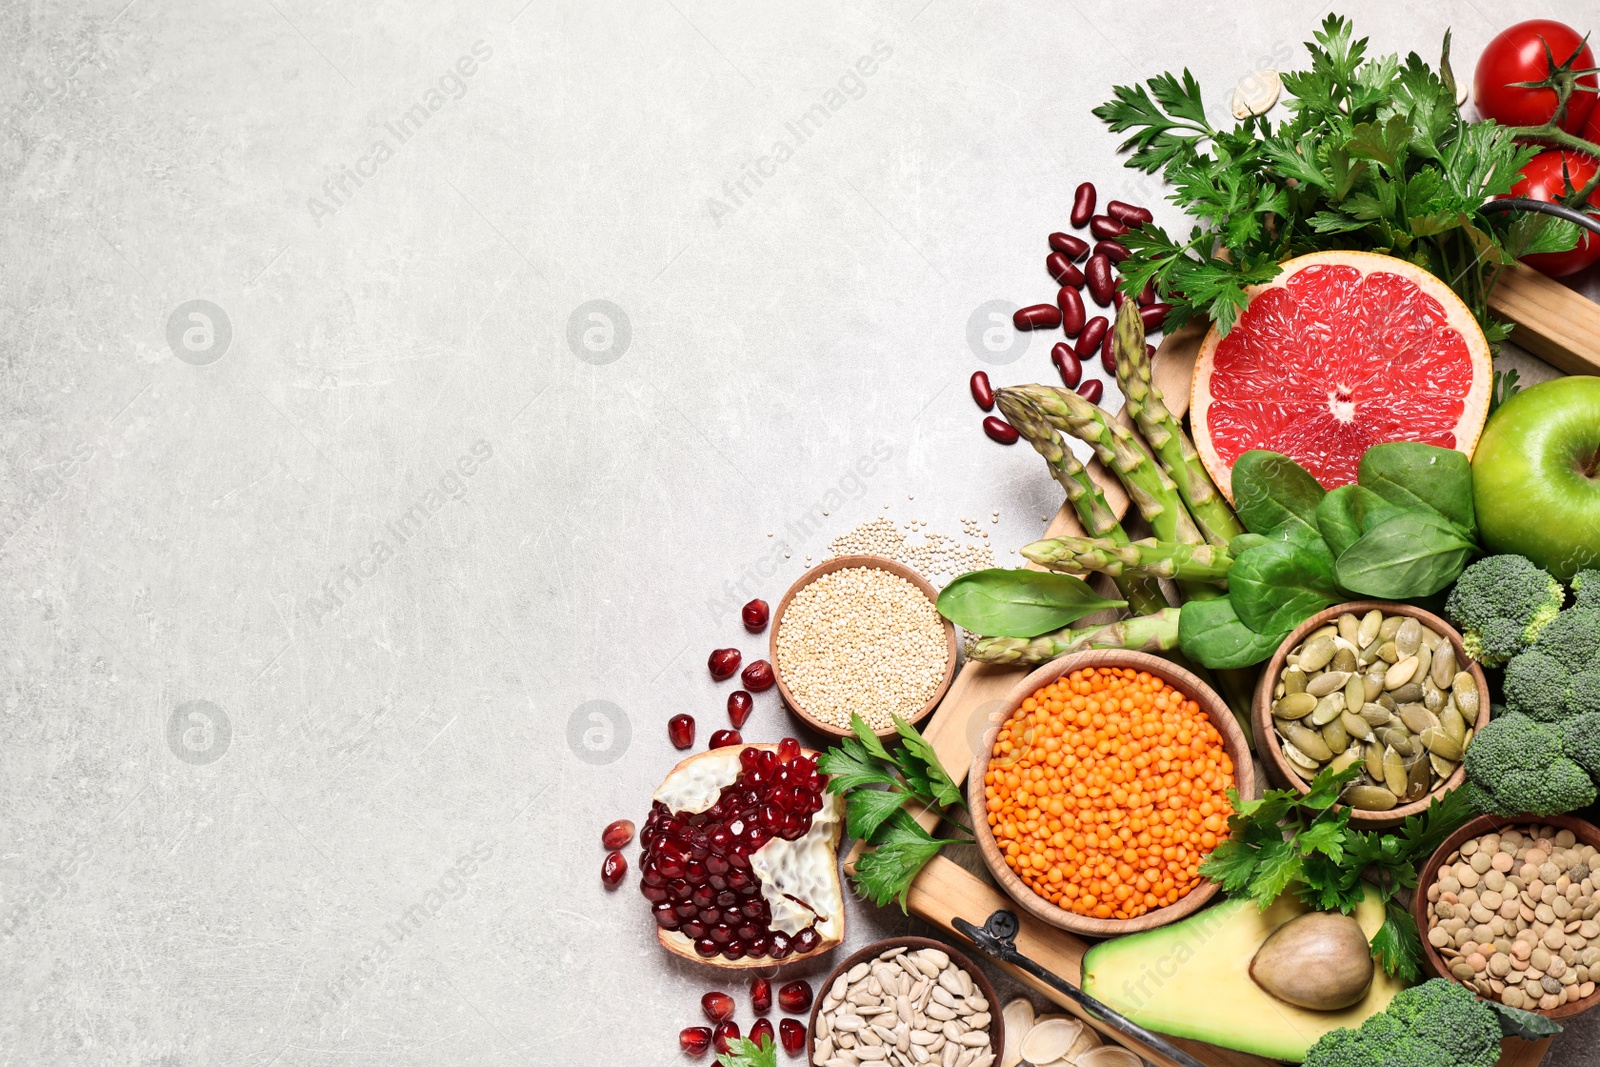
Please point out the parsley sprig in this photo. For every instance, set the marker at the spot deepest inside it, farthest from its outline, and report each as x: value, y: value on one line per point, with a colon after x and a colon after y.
x: 1375, y: 156
x: 1288, y: 839
x: 746, y: 1053
x: 878, y: 785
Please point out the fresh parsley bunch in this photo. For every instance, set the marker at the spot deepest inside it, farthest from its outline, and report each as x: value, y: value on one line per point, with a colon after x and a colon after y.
x: 878, y: 786
x: 1287, y: 839
x: 1375, y: 156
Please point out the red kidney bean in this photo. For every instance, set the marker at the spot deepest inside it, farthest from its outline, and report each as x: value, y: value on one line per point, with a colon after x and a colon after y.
x: 982, y: 391
x: 1147, y: 295
x: 1071, y: 305
x: 1069, y: 246
x: 1154, y: 315
x: 1000, y: 430
x: 1067, y: 362
x: 1083, y: 203
x: 1116, y: 300
x: 1111, y: 250
x: 1062, y: 270
x: 1094, y: 331
x: 1149, y: 351
x: 1098, y: 273
x: 1092, y: 390
x: 1106, y: 228
x: 1128, y: 214
x: 1108, y: 357
x: 1037, y: 317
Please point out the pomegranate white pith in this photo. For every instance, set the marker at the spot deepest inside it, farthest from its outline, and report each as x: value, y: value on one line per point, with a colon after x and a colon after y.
x: 740, y: 857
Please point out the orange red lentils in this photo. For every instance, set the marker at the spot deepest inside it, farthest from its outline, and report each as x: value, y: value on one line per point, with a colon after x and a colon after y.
x: 1106, y: 789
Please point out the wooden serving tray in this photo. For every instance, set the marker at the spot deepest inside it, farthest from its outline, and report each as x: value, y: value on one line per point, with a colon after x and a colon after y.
x: 1553, y: 322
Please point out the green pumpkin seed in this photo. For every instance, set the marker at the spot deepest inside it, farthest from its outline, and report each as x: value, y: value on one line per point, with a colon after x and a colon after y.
x: 1452, y: 723
x: 1295, y: 706
x: 1400, y: 673
x: 1408, y: 638
x: 1444, y: 666
x: 1356, y: 726
x: 1315, y: 655
x: 1369, y: 798
x: 1388, y: 703
x: 1374, y: 758
x: 1327, y: 682
x: 1410, y: 693
x: 1300, y: 759
x: 1328, y: 709
x: 1372, y: 681
x: 1390, y: 626
x: 1397, y: 738
x: 1344, y: 659
x: 1346, y: 759
x: 1355, y: 692
x: 1388, y: 653
x: 1419, y: 776
x: 1432, y: 696
x: 1442, y: 767
x: 1466, y: 738
x: 1367, y: 654
x: 1418, y: 718
x: 1308, y: 742
x: 1394, y: 772
x: 1349, y: 626
x: 1376, y: 714
x: 1299, y: 772
x: 1294, y: 681
x: 1441, y: 743
x: 1465, y: 692
x: 1327, y: 629
x: 1334, y: 736
x: 1424, y: 663
x: 1367, y: 632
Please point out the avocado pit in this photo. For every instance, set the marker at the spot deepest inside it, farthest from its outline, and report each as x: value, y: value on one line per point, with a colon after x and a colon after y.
x: 1319, y: 960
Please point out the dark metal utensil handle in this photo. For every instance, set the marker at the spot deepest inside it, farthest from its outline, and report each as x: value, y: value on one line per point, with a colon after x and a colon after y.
x: 998, y: 938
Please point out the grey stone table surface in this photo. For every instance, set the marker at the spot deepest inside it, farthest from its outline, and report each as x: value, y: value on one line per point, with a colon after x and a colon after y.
x: 396, y: 403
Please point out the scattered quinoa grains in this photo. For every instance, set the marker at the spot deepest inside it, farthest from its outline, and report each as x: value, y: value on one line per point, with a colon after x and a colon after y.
x: 1106, y: 789
x: 864, y: 640
x: 935, y: 556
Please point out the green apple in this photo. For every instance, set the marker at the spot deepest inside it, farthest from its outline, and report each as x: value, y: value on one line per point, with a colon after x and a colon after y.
x: 1536, y: 476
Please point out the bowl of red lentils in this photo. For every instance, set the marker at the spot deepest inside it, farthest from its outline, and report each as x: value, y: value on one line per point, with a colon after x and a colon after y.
x: 1099, y: 787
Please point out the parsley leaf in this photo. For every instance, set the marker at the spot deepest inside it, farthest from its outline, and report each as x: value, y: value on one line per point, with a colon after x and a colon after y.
x: 746, y: 1053
x: 901, y: 848
x: 1397, y: 946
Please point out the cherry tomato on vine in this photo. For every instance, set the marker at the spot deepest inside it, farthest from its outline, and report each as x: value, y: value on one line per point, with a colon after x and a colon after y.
x: 1543, y: 179
x: 1517, y: 54
x: 1591, y: 129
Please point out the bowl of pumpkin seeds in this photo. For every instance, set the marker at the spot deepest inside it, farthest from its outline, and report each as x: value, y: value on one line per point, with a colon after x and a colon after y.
x: 1387, y: 686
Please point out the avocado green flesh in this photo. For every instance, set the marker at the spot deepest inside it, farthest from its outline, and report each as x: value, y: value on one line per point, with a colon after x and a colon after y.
x: 1192, y: 979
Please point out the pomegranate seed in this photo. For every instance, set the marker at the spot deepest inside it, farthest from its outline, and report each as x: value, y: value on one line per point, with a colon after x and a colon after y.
x: 1067, y: 362
x: 617, y: 835
x: 982, y: 391
x: 758, y: 677
x: 695, y: 1040
x: 613, y: 869
x: 740, y: 705
x: 718, y: 1006
x: 1037, y: 317
x: 755, y: 616
x: 1128, y: 214
x: 760, y: 995
x: 788, y: 750
x: 1000, y: 430
x: 723, y: 662
x: 680, y: 728
x: 724, y: 738
x: 1083, y: 203
x: 761, y: 1034
x: 1068, y: 245
x: 1106, y: 228
x: 1113, y: 251
x: 724, y: 1035
x: 1070, y: 301
x: 1154, y: 315
x: 1094, y: 331
x: 795, y: 997
x: 793, y: 1035
x: 1092, y: 390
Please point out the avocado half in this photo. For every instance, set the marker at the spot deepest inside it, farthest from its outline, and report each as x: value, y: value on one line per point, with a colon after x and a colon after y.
x: 1192, y: 979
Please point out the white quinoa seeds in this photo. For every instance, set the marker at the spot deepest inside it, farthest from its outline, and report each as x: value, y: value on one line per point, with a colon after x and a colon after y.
x: 933, y: 555
x: 861, y: 640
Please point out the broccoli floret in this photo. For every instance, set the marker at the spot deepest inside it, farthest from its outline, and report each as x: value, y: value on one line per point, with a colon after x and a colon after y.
x: 1517, y: 767
x: 1537, y: 686
x: 1436, y: 1024
x: 1572, y: 639
x: 1580, y: 740
x: 1501, y: 604
x: 1559, y: 677
x: 1586, y: 589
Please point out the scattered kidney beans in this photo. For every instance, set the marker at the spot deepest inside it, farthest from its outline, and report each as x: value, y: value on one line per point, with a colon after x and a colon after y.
x: 1071, y: 305
x: 723, y: 662
x: 1068, y: 245
x: 1106, y: 228
x: 795, y: 997
x: 1083, y: 203
x: 613, y: 869
x: 1098, y: 273
x: 1092, y: 390
x: 1037, y: 317
x: 1067, y: 362
x: 761, y: 1033
x: 724, y: 738
x: 1154, y: 315
x: 1113, y: 251
x: 758, y: 677
x: 1117, y: 298
x: 1128, y: 214
x: 723, y: 1036
x: 760, y: 995
x: 680, y: 729
x: 1149, y: 351
x: 740, y: 705
x: 617, y: 835
x: 717, y: 1005
x: 1000, y: 430
x: 1147, y: 295
x: 755, y: 615
x: 1060, y: 267
x: 1094, y: 331
x: 1108, y: 355
x: 695, y: 1040
x: 793, y: 1034
x: 982, y: 391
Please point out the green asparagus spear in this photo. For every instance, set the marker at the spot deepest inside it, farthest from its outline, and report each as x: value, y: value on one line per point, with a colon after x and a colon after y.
x: 1147, y: 558
x: 1140, y: 633
x: 1164, y: 432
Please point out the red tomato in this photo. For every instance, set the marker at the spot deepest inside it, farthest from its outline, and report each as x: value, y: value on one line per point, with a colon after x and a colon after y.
x: 1542, y: 179
x: 1517, y: 54
x: 1591, y: 129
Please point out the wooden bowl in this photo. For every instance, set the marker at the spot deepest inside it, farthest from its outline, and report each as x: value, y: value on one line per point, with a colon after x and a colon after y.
x: 1233, y: 741
x: 1271, y: 752
x: 840, y: 563
x: 1587, y: 833
x: 997, y: 1024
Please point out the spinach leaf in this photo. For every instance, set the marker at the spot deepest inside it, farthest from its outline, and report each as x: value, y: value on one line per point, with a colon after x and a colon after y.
x: 1277, y: 586
x: 1413, y: 554
x: 1244, y: 542
x: 1019, y: 603
x: 1348, y: 512
x: 1270, y: 489
x: 1210, y: 633
x: 1411, y: 475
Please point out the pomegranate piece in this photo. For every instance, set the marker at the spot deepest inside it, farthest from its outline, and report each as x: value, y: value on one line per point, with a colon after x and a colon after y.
x: 793, y: 1035
x: 760, y: 995
x: 758, y: 677
x: 724, y: 738
x: 795, y: 997
x: 761, y: 1033
x: 755, y: 615
x: 680, y: 728
x: 613, y: 869
x: 724, y: 1035
x: 723, y: 662
x: 617, y: 835
x: 740, y: 705
x: 695, y: 1040
x: 718, y: 1006
x: 1000, y: 430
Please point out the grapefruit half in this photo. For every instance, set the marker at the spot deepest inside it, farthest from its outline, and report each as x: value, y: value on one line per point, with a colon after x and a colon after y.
x: 1339, y: 352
